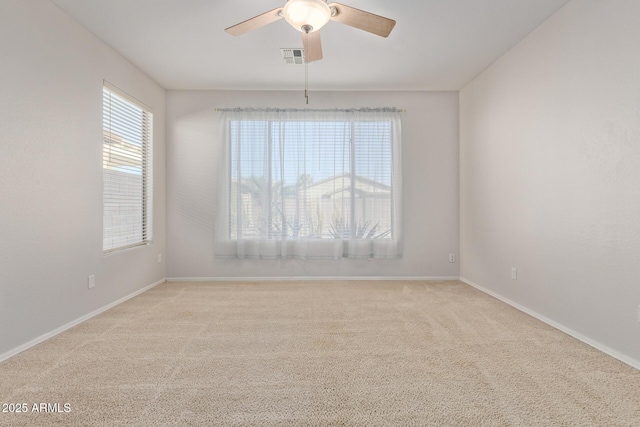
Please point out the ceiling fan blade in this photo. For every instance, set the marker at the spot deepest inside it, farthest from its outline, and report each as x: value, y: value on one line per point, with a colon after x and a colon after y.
x: 255, y: 22
x: 312, y: 46
x: 362, y: 20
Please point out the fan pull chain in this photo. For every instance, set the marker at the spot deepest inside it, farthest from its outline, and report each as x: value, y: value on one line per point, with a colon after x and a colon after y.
x: 306, y: 80
x: 305, y: 39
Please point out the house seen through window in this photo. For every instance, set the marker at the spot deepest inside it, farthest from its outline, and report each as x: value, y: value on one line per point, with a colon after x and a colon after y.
x: 301, y: 179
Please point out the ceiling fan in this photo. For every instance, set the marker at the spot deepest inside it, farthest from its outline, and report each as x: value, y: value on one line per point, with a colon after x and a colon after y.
x: 308, y: 16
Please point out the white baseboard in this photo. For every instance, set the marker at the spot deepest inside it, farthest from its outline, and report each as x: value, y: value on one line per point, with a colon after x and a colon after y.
x: 44, y: 337
x: 307, y: 278
x: 585, y: 339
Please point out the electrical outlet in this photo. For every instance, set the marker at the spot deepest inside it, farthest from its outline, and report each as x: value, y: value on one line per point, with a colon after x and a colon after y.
x: 159, y: 258
x: 514, y: 273
x: 91, y: 281
x: 452, y: 257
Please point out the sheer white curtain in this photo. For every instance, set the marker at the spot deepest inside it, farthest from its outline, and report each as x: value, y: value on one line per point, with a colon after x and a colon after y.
x: 310, y: 184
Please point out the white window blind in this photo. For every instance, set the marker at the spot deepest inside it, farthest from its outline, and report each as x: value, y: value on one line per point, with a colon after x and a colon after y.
x: 311, y: 184
x: 127, y: 171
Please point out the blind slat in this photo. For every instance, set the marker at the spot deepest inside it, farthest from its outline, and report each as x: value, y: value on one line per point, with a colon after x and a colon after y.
x: 127, y: 172
x: 313, y: 179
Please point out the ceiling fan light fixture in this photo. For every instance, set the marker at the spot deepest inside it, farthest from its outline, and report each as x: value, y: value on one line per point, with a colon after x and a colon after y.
x: 306, y: 15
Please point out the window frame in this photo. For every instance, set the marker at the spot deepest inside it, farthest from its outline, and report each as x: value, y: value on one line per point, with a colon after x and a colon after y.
x: 308, y: 248
x: 352, y: 160
x: 144, y: 236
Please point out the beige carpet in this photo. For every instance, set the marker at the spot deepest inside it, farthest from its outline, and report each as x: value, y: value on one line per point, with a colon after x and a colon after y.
x: 318, y: 353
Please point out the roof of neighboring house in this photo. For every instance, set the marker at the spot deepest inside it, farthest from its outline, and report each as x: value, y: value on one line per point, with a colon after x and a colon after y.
x: 338, y: 184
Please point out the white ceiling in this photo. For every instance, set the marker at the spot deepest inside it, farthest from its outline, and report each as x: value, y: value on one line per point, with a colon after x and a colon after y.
x: 435, y: 45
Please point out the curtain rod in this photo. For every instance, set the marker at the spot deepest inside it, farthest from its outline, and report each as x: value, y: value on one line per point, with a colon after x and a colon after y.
x: 346, y: 110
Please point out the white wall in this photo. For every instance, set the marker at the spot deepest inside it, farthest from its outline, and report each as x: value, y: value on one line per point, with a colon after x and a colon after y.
x: 51, y: 77
x: 430, y: 179
x: 550, y: 174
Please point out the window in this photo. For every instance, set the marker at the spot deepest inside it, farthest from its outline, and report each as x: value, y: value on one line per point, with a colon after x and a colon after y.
x: 127, y: 171
x: 312, y: 184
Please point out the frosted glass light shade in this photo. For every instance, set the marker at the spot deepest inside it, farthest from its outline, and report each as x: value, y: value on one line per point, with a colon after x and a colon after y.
x: 300, y: 13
